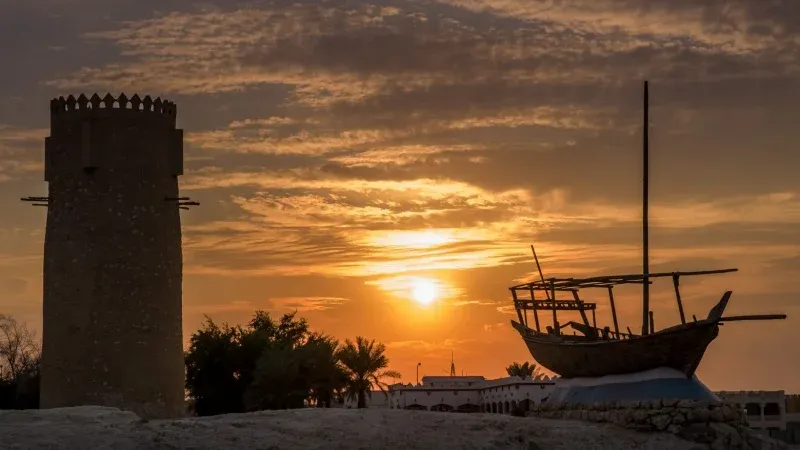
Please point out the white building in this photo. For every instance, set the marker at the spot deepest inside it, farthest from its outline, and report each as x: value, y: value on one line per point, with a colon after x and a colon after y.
x: 765, y: 409
x: 468, y: 394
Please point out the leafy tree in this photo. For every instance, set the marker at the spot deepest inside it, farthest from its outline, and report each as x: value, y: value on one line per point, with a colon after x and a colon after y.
x: 279, y: 364
x: 267, y: 365
x: 280, y: 380
x: 213, y: 369
x: 20, y: 357
x: 524, y: 370
x: 365, y: 363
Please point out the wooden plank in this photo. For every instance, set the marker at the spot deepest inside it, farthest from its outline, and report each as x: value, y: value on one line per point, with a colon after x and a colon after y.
x: 536, y: 311
x: 573, y: 283
x: 753, y: 317
x: 645, y: 214
x: 549, y: 305
x: 555, y: 308
x: 519, y: 313
x: 580, y: 308
x: 539, y: 268
x: 613, y: 309
x: 676, y: 283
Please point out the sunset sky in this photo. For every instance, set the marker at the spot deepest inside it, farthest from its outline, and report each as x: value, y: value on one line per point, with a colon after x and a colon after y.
x: 352, y: 158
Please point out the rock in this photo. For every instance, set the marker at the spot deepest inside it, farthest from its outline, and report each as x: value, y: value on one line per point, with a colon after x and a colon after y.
x: 731, y: 414
x: 696, y: 432
x: 639, y: 416
x: 674, y: 429
x: 686, y: 404
x: 661, y: 421
x: 670, y: 402
x: 533, y: 446
x: 698, y: 415
x: 715, y: 415
x: 618, y: 418
x: 720, y: 444
x: 656, y: 404
x: 678, y: 418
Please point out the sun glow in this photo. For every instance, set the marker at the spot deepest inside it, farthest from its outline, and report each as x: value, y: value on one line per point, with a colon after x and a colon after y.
x: 424, y: 291
x: 418, y: 289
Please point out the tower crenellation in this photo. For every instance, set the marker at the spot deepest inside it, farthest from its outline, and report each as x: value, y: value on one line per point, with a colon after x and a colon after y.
x: 111, y: 104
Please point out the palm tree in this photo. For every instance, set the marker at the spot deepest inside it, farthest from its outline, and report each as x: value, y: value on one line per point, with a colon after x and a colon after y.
x: 365, y: 364
x: 524, y: 370
x: 327, y: 375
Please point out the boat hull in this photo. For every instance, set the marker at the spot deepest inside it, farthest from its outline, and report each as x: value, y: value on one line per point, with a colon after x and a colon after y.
x: 680, y: 348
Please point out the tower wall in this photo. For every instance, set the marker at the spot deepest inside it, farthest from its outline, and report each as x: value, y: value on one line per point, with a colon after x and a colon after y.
x: 112, y: 257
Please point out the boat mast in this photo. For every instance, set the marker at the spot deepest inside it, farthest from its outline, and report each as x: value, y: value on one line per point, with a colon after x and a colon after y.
x: 646, y: 326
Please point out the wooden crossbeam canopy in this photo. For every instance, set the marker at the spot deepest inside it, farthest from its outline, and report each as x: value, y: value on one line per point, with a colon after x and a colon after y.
x: 572, y: 284
x: 558, y: 305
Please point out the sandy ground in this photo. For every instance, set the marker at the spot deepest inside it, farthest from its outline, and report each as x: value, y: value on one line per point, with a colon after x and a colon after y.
x: 109, y: 428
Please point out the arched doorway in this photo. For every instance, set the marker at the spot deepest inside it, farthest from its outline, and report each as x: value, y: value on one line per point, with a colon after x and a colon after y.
x: 442, y: 407
x: 468, y: 408
x: 416, y: 407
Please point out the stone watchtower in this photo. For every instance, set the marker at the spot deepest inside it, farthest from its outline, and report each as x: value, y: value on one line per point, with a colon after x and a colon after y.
x: 112, y: 256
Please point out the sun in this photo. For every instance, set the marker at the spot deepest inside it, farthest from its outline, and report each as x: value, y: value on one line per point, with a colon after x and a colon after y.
x: 424, y: 291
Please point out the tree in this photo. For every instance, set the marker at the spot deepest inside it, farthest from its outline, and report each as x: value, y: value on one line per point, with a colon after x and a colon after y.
x: 279, y: 364
x: 267, y: 365
x: 280, y: 380
x: 365, y: 363
x: 524, y: 370
x: 328, y: 377
x: 213, y: 369
x: 20, y: 356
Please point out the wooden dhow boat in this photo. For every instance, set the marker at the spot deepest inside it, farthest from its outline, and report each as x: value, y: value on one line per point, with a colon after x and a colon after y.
x: 597, y: 352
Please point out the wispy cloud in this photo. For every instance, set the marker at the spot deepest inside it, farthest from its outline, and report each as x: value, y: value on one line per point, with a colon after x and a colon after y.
x: 20, y: 151
x: 305, y: 304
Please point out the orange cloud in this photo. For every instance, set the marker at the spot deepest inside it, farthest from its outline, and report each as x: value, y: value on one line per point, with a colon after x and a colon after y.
x: 20, y: 151
x: 305, y: 304
x: 699, y: 20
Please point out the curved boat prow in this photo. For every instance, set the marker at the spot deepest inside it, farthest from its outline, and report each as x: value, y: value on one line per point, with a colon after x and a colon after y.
x: 716, y: 312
